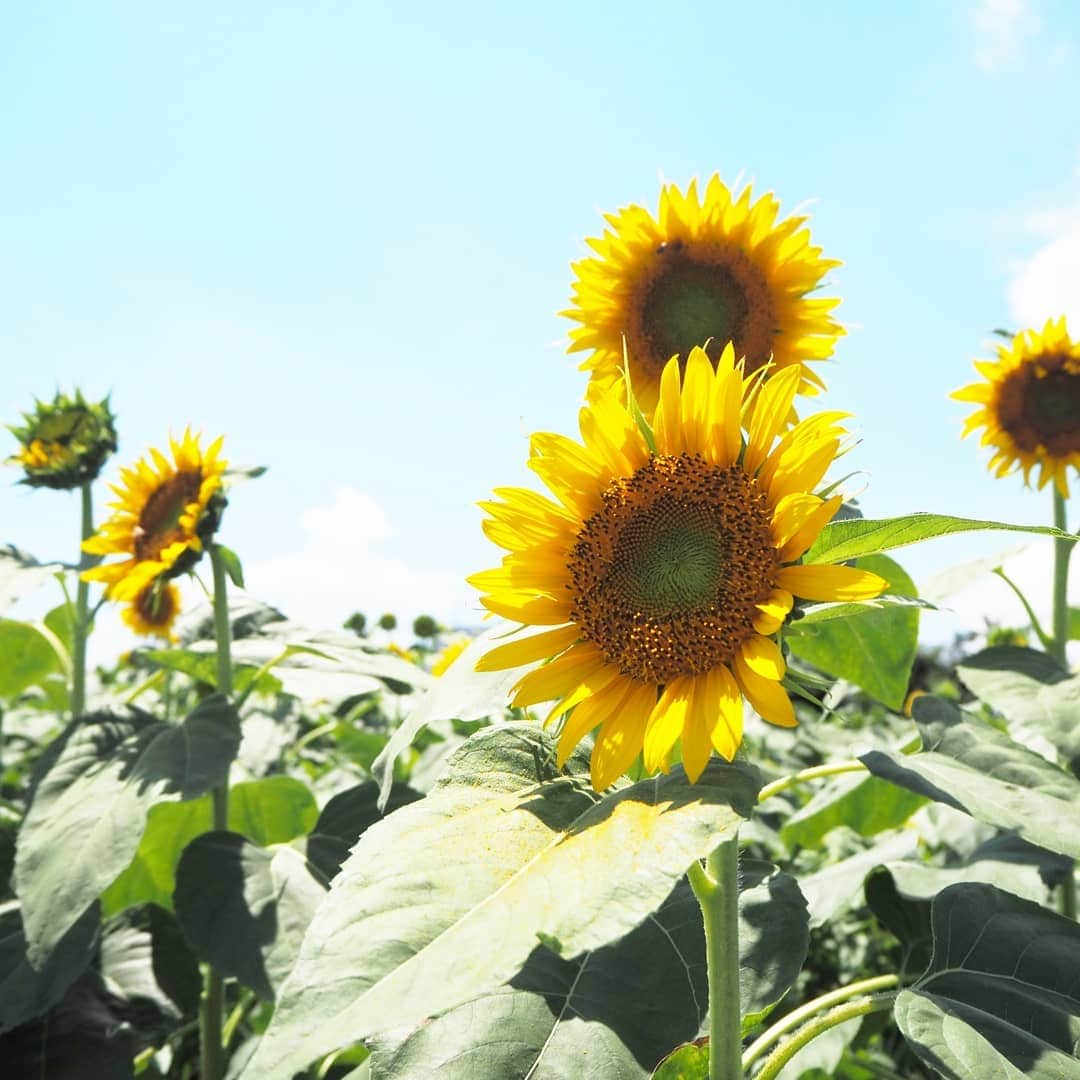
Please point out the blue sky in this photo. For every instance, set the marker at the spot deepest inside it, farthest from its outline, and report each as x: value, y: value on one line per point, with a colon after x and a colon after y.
x: 341, y: 235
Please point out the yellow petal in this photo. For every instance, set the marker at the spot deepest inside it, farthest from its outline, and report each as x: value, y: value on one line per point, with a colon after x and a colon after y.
x: 592, y: 711
x: 697, y: 391
x: 845, y: 583
x: 537, y: 611
x: 697, y: 731
x: 619, y: 741
x: 666, y: 722
x: 557, y: 679
x: 527, y: 650
x: 667, y: 421
x: 768, y: 699
x: 771, y: 411
x: 727, y: 731
x: 800, y: 541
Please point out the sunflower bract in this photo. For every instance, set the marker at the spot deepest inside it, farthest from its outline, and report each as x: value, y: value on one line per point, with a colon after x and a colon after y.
x: 662, y: 576
x: 1029, y: 405
x: 704, y: 272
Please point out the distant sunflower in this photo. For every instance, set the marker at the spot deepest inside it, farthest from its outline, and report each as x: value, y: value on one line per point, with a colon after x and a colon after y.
x: 165, y: 512
x: 668, y: 564
x: 154, y: 610
x: 716, y: 270
x: 1030, y: 405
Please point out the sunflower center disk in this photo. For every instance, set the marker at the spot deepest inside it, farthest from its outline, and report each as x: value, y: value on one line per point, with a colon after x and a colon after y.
x: 1052, y: 408
x: 159, y: 522
x: 693, y: 298
x: 666, y: 575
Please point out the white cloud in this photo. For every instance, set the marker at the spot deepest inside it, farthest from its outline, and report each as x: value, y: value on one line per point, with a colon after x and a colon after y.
x: 340, y: 568
x: 1004, y: 32
x: 1048, y: 283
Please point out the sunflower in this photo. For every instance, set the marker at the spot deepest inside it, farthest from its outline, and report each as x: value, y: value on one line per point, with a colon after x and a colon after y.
x: 707, y: 272
x: 667, y: 564
x: 1029, y: 405
x: 154, y: 610
x: 164, y: 513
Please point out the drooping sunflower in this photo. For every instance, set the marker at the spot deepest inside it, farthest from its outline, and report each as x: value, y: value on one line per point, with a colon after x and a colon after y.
x: 666, y: 563
x: 1029, y: 404
x: 154, y: 610
x: 165, y: 512
x: 705, y: 272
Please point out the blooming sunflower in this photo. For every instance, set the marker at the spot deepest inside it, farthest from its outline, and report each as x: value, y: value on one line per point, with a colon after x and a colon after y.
x: 667, y: 564
x: 1029, y: 405
x: 164, y: 513
x: 154, y: 610
x: 706, y: 272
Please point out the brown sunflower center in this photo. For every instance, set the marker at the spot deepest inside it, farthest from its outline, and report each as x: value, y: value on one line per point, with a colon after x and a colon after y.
x: 1040, y: 405
x: 156, y: 605
x: 713, y: 294
x: 664, y: 578
x: 159, y: 522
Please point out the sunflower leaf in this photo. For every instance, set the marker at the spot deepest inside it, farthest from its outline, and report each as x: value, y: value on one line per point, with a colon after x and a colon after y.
x: 90, y: 808
x: 232, y: 564
x: 1000, y: 997
x: 503, y: 848
x: 843, y: 540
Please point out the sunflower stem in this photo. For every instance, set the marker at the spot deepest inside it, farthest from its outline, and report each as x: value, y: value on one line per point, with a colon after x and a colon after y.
x: 1062, y: 551
x: 81, y: 623
x: 716, y: 886
x: 212, y: 1043
x: 863, y: 1006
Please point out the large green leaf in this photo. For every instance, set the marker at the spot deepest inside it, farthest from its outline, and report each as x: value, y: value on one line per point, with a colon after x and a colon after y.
x: 1001, y: 997
x: 90, y: 809
x: 853, y: 538
x: 873, y: 649
x: 26, y: 991
x: 273, y: 810
x: 447, y: 898
x: 28, y: 658
x: 1035, y: 695
x: 613, y: 1012
x: 973, y: 767
x: 245, y: 908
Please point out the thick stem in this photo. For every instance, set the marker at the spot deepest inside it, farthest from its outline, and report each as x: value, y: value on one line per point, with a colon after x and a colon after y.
x: 81, y: 623
x: 1062, y: 551
x: 212, y: 1044
x: 716, y: 887
x: 819, y: 1025
x: 794, y: 1018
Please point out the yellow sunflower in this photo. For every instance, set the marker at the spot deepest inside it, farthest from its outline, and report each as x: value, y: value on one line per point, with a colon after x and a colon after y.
x: 154, y: 610
x: 667, y: 564
x: 706, y: 272
x: 1029, y: 405
x: 165, y: 511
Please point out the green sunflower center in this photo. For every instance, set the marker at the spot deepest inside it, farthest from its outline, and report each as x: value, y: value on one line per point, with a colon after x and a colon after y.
x: 690, y: 303
x: 666, y: 576
x: 1039, y: 405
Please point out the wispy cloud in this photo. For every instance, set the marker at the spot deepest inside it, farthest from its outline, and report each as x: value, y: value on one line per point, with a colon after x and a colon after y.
x: 1004, y: 33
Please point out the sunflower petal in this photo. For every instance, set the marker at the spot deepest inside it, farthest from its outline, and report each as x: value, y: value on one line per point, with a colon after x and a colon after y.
x: 824, y: 583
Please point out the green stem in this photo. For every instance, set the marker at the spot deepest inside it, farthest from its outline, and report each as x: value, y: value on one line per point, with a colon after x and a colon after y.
x: 794, y: 1018
x: 81, y: 622
x: 212, y: 1043
x: 716, y: 886
x: 1067, y: 903
x: 1040, y: 633
x: 837, y: 768
x: 819, y: 1025
x: 1062, y: 551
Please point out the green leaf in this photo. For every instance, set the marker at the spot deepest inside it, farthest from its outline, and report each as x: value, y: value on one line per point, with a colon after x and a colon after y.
x: 231, y: 561
x: 907, y: 918
x: 245, y: 908
x: 273, y: 810
x: 26, y: 991
x: 90, y: 809
x: 84, y: 1037
x: 622, y: 1004
x: 1074, y: 624
x: 867, y: 805
x: 201, y: 665
x: 774, y: 934
x: 689, y: 1062
x: 840, y: 541
x: 973, y: 767
x: 1001, y: 997
x: 1035, y: 695
x: 61, y: 621
x: 875, y: 649
x: 503, y: 853
x: 28, y: 658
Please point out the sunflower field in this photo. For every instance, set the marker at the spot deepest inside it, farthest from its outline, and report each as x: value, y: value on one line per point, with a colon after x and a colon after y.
x: 690, y: 801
